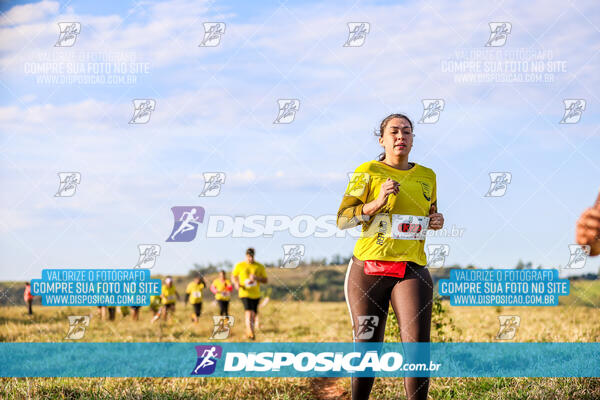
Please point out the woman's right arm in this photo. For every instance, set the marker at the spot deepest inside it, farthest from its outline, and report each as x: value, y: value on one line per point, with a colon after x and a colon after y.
x: 354, y: 208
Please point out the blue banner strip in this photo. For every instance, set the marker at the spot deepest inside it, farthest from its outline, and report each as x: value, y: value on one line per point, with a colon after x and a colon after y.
x: 299, y: 359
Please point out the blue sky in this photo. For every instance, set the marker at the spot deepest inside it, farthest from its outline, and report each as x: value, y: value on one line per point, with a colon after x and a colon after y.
x: 215, y: 108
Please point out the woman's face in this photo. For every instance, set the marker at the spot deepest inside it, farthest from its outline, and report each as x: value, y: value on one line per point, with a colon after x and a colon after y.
x: 397, y: 137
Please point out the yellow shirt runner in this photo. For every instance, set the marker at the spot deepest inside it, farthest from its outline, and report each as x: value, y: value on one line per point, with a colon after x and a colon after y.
x: 386, y: 235
x: 155, y: 303
x: 243, y: 270
x: 195, y: 291
x: 168, y: 294
x: 219, y: 287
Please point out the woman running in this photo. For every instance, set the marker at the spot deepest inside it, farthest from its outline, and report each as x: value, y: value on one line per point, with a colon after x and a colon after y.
x: 395, y: 201
x: 168, y: 297
x: 28, y: 297
x: 222, y: 288
x: 193, y: 294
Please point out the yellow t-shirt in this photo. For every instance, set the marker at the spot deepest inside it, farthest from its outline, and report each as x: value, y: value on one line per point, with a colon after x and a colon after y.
x: 155, y: 302
x: 221, y: 287
x: 417, y: 194
x: 243, y: 270
x: 195, y: 291
x: 168, y: 294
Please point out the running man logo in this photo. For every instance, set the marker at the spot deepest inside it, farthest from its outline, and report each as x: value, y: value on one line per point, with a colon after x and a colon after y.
x: 573, y: 110
x: 292, y: 255
x: 499, y: 32
x: 432, y: 108
x: 68, y: 183
x: 68, y: 33
x: 77, y: 325
x: 142, y: 109
x: 185, y: 224
x: 498, y: 184
x: 212, y: 34
x: 357, y: 183
x: 358, y: 33
x: 366, y: 326
x: 207, y: 359
x: 287, y: 110
x: 222, y: 326
x: 508, y: 326
x: 436, y: 255
x: 578, y: 256
x: 148, y: 254
x: 212, y: 184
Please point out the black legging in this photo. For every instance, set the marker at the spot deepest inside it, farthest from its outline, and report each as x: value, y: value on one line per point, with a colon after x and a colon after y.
x: 223, y: 307
x: 411, y: 299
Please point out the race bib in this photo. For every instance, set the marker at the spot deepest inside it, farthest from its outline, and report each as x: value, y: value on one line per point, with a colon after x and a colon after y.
x: 249, y: 283
x: 197, y: 294
x: 409, y: 227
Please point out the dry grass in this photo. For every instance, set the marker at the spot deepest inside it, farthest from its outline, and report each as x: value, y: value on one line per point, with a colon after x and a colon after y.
x: 295, y: 321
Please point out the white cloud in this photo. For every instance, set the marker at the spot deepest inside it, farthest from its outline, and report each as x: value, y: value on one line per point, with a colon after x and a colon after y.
x: 27, y: 13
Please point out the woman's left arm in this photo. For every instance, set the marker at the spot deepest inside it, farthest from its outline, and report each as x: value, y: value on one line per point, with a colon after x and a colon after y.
x: 436, y: 219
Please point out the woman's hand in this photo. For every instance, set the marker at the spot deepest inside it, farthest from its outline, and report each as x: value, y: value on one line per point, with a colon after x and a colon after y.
x: 436, y: 219
x: 388, y: 187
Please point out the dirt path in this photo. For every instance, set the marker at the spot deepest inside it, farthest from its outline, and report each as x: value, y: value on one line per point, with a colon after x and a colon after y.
x: 328, y: 389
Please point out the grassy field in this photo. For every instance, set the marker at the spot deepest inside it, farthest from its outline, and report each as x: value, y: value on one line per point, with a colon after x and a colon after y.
x: 575, y: 320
